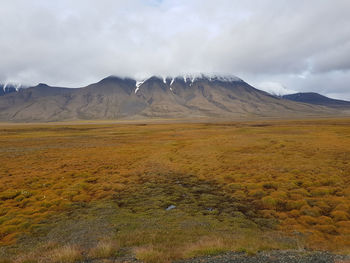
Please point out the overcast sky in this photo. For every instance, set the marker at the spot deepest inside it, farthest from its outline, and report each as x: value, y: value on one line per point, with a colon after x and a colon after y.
x: 281, y: 46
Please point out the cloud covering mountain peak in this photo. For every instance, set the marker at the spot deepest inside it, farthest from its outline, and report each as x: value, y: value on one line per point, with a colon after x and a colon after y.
x: 300, y: 44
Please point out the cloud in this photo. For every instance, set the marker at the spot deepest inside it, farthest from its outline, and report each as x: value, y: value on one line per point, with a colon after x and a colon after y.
x: 274, y: 88
x: 299, y: 44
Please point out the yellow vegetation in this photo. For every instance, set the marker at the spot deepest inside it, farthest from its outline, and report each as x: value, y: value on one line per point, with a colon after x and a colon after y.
x: 287, y: 176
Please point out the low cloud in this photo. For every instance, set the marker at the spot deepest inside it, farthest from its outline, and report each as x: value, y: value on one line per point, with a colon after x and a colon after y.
x: 274, y: 88
x: 302, y: 45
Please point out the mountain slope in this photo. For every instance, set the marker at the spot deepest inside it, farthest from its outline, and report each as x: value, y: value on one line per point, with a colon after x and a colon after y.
x: 317, y: 99
x: 9, y: 88
x: 124, y: 98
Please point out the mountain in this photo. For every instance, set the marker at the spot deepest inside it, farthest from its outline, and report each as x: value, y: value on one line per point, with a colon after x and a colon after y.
x: 317, y: 99
x: 9, y: 88
x: 124, y: 98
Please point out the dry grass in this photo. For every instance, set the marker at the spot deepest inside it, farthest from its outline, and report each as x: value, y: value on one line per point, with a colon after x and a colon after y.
x: 292, y: 177
x: 207, y: 246
x: 210, y: 245
x: 104, y: 249
x: 150, y: 254
x: 66, y: 254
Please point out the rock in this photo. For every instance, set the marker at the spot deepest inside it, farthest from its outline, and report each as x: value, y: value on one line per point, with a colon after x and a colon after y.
x: 170, y: 207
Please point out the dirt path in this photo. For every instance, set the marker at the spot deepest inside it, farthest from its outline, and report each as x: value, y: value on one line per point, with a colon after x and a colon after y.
x: 273, y: 257
x: 262, y: 257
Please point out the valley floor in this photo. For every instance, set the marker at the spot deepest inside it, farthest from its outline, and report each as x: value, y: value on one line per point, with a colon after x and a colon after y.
x: 161, y: 192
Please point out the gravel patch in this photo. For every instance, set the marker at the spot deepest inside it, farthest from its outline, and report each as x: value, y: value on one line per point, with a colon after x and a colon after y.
x: 272, y: 257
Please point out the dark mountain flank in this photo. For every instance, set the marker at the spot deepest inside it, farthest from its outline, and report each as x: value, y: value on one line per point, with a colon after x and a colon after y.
x: 124, y: 98
x: 9, y: 88
x: 317, y: 99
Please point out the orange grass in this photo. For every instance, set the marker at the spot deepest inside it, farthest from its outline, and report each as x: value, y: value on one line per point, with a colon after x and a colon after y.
x: 296, y: 173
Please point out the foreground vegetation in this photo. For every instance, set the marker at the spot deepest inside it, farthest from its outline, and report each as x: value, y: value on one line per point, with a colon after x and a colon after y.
x: 168, y: 191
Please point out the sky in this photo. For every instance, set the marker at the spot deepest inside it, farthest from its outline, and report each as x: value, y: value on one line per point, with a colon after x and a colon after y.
x: 279, y: 46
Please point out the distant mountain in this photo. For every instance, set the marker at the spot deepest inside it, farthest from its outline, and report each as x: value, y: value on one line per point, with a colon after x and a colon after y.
x: 124, y: 98
x: 317, y: 99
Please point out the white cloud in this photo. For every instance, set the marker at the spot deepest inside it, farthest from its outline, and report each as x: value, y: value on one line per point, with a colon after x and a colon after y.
x: 75, y: 42
x: 274, y: 88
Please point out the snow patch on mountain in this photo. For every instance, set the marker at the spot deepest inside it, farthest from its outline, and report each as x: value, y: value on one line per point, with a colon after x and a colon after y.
x: 191, y: 78
x: 9, y: 87
x: 210, y: 76
x: 138, y: 84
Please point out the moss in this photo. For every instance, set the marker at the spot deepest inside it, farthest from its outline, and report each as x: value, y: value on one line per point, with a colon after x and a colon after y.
x: 269, y: 202
x: 340, y: 215
x: 9, y: 194
x: 218, y: 184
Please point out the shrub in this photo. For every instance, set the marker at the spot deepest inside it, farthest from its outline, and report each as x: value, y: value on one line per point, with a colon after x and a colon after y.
x: 240, y: 195
x: 9, y: 194
x: 340, y: 215
x: 324, y: 207
x: 290, y: 205
x: 342, y: 207
x: 328, y: 229
x: 320, y: 191
x: 235, y: 186
x: 331, y: 181
x: 268, y: 213
x: 300, y: 192
x: 28, y: 258
x: 229, y: 177
x: 26, y: 194
x: 344, y: 227
x: 343, y: 224
x: 310, y: 211
x: 279, y: 195
x: 150, y: 255
x: 307, y: 220
x: 104, y: 249
x: 257, y: 193
x: 282, y: 215
x: 268, y: 202
x: 324, y: 220
x: 294, y: 213
x: 7, y: 230
x: 81, y: 198
x: 206, y: 247
x: 270, y: 185
x: 66, y: 254
x: 3, y: 211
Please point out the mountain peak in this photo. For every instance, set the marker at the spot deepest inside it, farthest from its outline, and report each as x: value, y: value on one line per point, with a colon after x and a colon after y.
x: 42, y: 85
x: 317, y: 99
x: 115, y: 78
x: 190, y: 78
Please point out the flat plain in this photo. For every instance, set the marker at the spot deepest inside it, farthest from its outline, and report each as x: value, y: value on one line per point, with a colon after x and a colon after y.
x: 160, y: 192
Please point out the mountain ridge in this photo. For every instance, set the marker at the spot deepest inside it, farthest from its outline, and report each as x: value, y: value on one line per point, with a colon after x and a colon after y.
x: 116, y: 97
x: 316, y: 99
